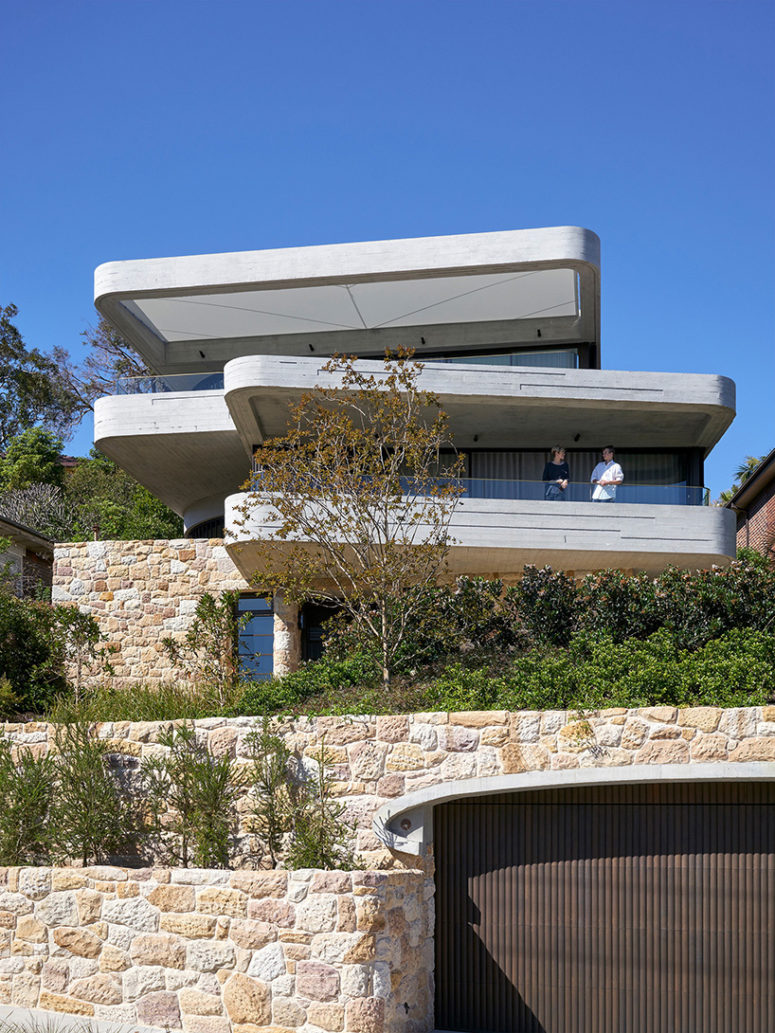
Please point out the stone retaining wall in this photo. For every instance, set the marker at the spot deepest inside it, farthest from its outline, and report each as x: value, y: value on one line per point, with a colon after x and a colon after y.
x: 143, y: 591
x: 215, y: 952
x: 376, y: 759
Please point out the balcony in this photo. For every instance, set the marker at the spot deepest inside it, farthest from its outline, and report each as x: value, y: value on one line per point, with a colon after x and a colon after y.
x: 499, y: 527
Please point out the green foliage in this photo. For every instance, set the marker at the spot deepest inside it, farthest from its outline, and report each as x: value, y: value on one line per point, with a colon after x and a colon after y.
x: 93, y: 816
x: 738, y: 669
x: 30, y: 655
x: 37, y: 641
x: 276, y: 797
x: 208, y: 652
x: 191, y: 795
x: 26, y: 791
x: 105, y: 496
x: 167, y: 702
x: 320, y: 834
x: 32, y: 392
x: 547, y: 603
x: 321, y: 677
x: 32, y: 457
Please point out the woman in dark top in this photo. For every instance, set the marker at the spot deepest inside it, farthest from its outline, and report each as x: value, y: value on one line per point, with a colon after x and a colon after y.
x: 557, y: 475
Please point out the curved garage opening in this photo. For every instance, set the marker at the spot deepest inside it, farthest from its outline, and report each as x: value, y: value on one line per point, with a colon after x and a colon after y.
x: 607, y: 909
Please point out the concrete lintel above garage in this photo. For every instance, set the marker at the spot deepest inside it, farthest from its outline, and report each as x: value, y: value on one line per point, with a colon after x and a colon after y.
x: 512, y: 407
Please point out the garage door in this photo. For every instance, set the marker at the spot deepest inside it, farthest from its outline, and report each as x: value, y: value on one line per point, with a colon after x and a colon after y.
x: 632, y: 909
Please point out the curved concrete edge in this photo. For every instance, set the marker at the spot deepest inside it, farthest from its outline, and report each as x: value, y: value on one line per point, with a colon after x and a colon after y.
x: 406, y: 824
x: 502, y: 535
x: 300, y: 266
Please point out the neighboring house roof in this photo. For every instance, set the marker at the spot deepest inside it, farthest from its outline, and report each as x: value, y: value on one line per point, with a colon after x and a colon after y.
x: 753, y: 486
x: 24, y: 535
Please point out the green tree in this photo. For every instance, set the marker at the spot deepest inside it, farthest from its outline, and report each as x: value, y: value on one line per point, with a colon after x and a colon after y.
x: 32, y: 389
x: 742, y: 473
x: 105, y: 497
x: 32, y: 457
x: 357, y: 500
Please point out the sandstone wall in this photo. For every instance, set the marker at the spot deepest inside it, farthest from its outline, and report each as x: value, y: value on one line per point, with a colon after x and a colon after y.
x: 375, y: 759
x: 140, y: 592
x: 215, y: 952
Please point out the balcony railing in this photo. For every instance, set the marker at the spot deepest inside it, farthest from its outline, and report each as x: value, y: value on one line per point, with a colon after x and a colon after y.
x: 153, y: 385
x: 577, y: 491
x: 581, y: 491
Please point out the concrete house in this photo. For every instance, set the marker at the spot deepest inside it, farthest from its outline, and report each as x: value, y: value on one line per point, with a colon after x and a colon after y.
x: 508, y: 324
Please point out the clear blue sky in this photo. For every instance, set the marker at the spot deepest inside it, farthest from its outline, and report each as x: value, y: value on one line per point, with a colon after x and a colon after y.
x: 137, y: 129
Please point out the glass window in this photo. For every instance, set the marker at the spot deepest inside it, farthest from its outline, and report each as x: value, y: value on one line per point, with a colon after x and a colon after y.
x: 562, y: 358
x: 256, y: 637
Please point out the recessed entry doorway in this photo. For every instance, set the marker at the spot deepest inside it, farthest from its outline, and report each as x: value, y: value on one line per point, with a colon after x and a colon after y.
x: 641, y: 908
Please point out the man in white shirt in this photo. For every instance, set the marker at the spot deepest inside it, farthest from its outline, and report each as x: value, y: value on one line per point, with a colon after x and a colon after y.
x: 606, y: 476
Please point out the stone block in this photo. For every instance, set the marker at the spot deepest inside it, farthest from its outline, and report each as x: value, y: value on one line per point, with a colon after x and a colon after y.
x: 173, y: 898
x: 705, y: 719
x: 191, y: 927
x: 267, y: 963
x: 525, y: 727
x: 141, y: 980
x: 218, y: 900
x: 29, y: 928
x: 25, y: 989
x: 57, y: 909
x: 662, y: 714
x: 62, y: 1003
x: 99, y: 989
x: 203, y: 956
x: 365, y: 1015
x: 78, y: 941
x: 706, y: 748
x: 247, y: 1000
x: 288, y: 1013
x: 113, y: 960
x: 89, y: 905
x: 317, y: 914
x: 317, y: 981
x: 753, y: 749
x: 671, y: 751
x: 392, y: 728
x: 251, y: 935
x: 159, y: 1009
x: 136, y: 913
x: 158, y: 949
x: 329, y: 1017
x: 195, y: 1002
x: 260, y: 884
x: 278, y: 912
x: 405, y: 756
x: 634, y: 733
x: 516, y: 758
x: 35, y: 883
x: 479, y: 718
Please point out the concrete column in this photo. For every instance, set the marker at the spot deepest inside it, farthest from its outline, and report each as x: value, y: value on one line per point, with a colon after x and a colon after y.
x: 287, y: 636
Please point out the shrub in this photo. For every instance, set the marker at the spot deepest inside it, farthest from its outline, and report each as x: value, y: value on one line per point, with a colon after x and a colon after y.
x: 312, y: 679
x: 94, y: 817
x: 191, y: 796
x: 208, y: 651
x: 320, y: 835
x: 26, y: 791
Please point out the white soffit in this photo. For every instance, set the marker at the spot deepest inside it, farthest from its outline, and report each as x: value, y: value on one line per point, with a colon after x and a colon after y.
x: 544, y: 279
x: 364, y: 306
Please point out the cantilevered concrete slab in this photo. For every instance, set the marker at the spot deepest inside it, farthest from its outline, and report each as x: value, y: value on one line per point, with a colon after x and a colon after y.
x: 496, y: 538
x: 511, y: 407
x: 182, y: 446
x: 518, y: 287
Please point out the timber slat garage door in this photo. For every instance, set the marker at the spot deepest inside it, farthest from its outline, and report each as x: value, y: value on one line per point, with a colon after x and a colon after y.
x: 630, y: 909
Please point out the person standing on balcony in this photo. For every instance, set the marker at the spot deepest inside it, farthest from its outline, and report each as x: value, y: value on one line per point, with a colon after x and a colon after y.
x: 606, y: 476
x: 557, y: 475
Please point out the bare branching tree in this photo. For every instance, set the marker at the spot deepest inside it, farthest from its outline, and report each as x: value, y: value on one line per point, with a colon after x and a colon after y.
x: 44, y: 508
x: 109, y: 357
x: 355, y: 501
